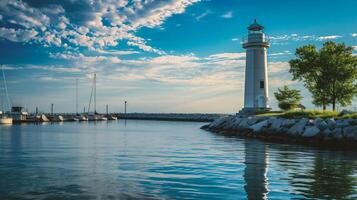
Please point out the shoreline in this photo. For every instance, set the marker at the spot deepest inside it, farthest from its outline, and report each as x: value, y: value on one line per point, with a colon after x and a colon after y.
x: 184, y: 117
x: 335, y: 135
x: 171, y: 116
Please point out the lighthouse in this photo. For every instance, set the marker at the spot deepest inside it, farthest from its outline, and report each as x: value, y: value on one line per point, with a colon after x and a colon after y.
x: 256, y: 73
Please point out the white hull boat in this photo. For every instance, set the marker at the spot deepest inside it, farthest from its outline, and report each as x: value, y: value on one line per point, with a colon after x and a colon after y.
x: 5, y: 120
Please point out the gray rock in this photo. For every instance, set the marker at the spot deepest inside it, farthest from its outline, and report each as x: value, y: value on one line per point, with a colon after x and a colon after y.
x: 354, y: 122
x: 311, y: 131
x: 218, y: 122
x: 342, y: 123
x: 349, y: 121
x: 277, y: 123
x: 236, y: 122
x: 331, y: 123
x: 244, y: 123
x: 287, y: 123
x: 311, y: 122
x: 298, y: 128
x: 271, y: 120
x: 344, y: 112
x: 328, y: 132
x: 321, y: 124
x: 259, y: 126
x: 338, y: 134
x: 252, y: 120
x: 230, y: 122
x: 350, y: 132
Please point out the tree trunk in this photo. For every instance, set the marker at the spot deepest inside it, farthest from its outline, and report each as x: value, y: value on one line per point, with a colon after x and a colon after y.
x: 324, y: 107
x: 334, y: 104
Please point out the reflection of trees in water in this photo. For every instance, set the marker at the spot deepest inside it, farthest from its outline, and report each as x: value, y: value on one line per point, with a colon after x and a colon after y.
x: 331, y: 177
x: 319, y: 174
x: 255, y: 173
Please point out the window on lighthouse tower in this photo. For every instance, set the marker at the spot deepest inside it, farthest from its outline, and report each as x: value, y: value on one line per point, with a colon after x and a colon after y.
x: 261, y: 84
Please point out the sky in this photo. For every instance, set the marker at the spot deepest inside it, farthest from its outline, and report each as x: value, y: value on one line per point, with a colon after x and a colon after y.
x: 168, y: 56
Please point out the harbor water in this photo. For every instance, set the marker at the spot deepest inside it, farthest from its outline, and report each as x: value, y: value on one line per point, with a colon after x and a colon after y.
x: 137, y: 159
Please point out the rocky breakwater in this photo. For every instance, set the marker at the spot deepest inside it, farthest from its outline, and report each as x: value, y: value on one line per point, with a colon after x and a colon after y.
x: 331, y: 133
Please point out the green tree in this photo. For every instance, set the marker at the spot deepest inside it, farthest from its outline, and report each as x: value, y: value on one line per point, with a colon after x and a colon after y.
x: 330, y: 74
x: 288, y: 98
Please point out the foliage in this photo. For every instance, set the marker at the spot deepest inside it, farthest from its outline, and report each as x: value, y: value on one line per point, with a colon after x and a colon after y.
x: 309, y: 114
x: 312, y: 114
x: 330, y: 74
x: 288, y: 98
x: 352, y: 115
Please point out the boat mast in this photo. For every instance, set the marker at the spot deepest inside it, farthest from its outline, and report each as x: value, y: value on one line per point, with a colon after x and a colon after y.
x: 5, y: 86
x: 95, y: 93
x: 77, y: 96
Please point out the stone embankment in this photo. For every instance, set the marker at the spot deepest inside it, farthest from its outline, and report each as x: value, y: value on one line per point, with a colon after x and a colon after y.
x: 339, y: 133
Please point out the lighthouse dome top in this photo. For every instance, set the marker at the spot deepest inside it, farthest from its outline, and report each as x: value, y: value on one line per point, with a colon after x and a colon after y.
x: 255, y: 26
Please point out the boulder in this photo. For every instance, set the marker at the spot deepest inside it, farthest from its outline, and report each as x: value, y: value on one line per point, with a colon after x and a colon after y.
x: 271, y: 120
x: 252, y: 120
x: 345, y: 112
x: 328, y: 132
x: 259, y: 126
x: 244, y: 123
x: 218, y: 122
x: 230, y: 122
x: 350, y: 132
x: 311, y: 122
x: 342, y: 123
x: 277, y: 123
x: 321, y: 124
x: 298, y: 128
x: 287, y: 123
x: 331, y: 123
x: 338, y: 134
x: 236, y: 122
x: 311, y: 131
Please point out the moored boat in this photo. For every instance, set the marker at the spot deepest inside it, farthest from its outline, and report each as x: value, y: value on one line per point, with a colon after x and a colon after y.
x: 4, y: 118
x: 42, y: 118
x: 111, y: 117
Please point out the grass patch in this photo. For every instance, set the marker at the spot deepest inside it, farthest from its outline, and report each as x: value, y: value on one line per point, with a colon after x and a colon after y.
x: 353, y: 115
x: 311, y: 114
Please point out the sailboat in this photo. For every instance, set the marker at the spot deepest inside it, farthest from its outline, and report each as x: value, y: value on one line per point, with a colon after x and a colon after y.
x: 4, y: 118
x: 95, y: 116
x: 110, y: 117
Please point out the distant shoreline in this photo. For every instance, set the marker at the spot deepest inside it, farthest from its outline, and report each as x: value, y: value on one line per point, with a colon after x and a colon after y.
x: 171, y: 116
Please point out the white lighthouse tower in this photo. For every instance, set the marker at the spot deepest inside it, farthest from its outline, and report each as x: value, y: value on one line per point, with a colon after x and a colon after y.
x: 256, y: 74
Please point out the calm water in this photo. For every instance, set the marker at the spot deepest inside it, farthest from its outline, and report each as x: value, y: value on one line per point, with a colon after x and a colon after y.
x: 163, y: 160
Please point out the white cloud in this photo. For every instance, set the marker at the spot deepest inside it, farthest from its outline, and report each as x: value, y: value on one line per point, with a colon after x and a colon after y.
x: 278, y: 67
x: 279, y: 53
x: 235, y: 39
x: 354, y: 34
x: 228, y: 56
x: 227, y: 15
x: 17, y: 35
x: 117, y: 52
x: 56, y: 23
x: 329, y: 37
x: 283, y: 39
x: 203, y: 15
x: 60, y: 69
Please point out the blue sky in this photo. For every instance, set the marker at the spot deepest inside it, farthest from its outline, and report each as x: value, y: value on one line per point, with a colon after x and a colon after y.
x: 160, y: 56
